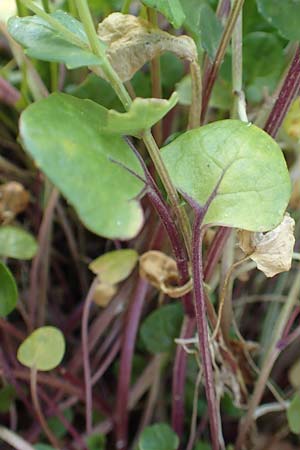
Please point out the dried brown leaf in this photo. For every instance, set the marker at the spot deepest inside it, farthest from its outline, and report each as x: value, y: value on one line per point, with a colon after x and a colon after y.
x: 132, y: 41
x: 14, y: 199
x: 271, y: 251
x: 158, y: 269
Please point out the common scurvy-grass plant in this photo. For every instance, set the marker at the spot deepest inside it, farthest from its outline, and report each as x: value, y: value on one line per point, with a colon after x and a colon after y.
x: 175, y: 183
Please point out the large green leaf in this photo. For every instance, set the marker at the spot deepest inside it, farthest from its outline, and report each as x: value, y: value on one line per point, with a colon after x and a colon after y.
x: 158, y: 437
x: 43, y: 42
x: 17, y: 243
x: 260, y: 77
x: 282, y: 14
x: 63, y: 135
x: 8, y: 291
x: 43, y: 349
x: 172, y: 9
x: 161, y: 327
x: 210, y: 30
x: 255, y: 188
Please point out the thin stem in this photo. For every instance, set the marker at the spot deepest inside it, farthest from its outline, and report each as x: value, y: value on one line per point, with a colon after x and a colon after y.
x: 215, y: 251
x: 155, y: 80
x: 286, y: 95
x: 14, y: 440
x: 37, y: 407
x: 202, y: 328
x: 213, y: 72
x: 271, y: 357
x: 126, y: 7
x: 195, y: 109
x: 85, y: 356
x: 130, y: 332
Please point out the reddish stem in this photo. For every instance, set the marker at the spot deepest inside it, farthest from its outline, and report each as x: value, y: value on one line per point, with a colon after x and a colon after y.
x: 129, y: 337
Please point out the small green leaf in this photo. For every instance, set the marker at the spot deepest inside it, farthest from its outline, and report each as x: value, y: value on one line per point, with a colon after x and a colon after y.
x: 42, y: 41
x: 255, y: 186
x: 57, y: 427
x: 96, y: 442
x: 202, y: 445
x: 63, y: 135
x: 259, y: 76
x: 161, y: 327
x: 7, y: 395
x: 17, y: 243
x: 158, y: 437
x: 115, y: 266
x: 293, y: 414
x: 171, y: 9
x: 8, y: 291
x: 283, y: 15
x: 43, y: 447
x: 43, y: 349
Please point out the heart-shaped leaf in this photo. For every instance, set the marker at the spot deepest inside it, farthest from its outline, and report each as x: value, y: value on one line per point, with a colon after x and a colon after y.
x: 171, y: 9
x: 17, y: 243
x: 43, y: 349
x: 43, y: 42
x: 255, y: 186
x: 63, y: 134
x: 8, y: 291
x: 283, y: 15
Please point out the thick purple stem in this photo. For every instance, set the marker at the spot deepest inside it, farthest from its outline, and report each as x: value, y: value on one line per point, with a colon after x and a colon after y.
x: 286, y: 95
x: 202, y: 327
x: 132, y: 322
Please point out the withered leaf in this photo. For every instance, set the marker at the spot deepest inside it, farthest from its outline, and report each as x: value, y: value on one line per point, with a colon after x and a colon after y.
x: 103, y: 294
x: 132, y: 41
x: 14, y: 199
x: 272, y: 251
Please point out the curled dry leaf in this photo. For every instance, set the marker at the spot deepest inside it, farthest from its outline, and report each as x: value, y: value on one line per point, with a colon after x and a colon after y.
x: 161, y: 271
x: 272, y: 251
x: 132, y: 41
x: 14, y: 199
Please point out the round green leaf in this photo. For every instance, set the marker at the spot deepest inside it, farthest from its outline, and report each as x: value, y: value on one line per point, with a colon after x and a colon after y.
x: 63, y: 135
x: 158, y: 437
x: 255, y: 186
x: 43, y: 349
x: 115, y: 266
x: 293, y: 414
x: 17, y: 243
x: 8, y: 291
x: 283, y: 15
x: 161, y: 327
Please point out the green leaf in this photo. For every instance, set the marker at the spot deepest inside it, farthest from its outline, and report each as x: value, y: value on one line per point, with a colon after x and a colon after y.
x: 283, y: 15
x: 8, y: 291
x: 43, y: 349
x: 57, y: 427
x: 171, y: 9
x: 96, y: 442
x: 115, y: 266
x: 158, y: 437
x: 62, y: 134
x: 43, y: 447
x: 161, y: 327
x: 255, y: 186
x: 202, y: 445
x: 293, y: 414
x: 17, y: 243
x: 210, y: 30
x: 42, y: 41
x: 259, y: 76
x: 7, y: 395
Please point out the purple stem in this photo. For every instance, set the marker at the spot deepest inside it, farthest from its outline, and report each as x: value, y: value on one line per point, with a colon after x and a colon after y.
x: 8, y: 94
x: 286, y: 95
x: 85, y: 355
x: 215, y: 251
x: 179, y: 375
x: 129, y: 337
x: 202, y: 327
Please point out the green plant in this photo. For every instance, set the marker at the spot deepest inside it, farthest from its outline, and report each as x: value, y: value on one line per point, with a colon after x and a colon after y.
x: 119, y: 161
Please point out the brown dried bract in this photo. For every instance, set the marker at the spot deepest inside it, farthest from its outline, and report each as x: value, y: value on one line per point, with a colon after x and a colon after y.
x: 132, y: 41
x: 271, y: 251
x: 14, y: 199
x: 159, y: 269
